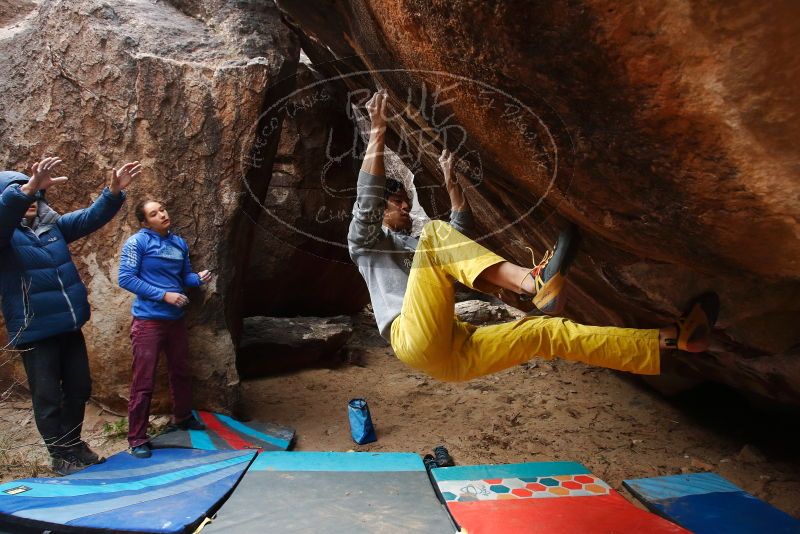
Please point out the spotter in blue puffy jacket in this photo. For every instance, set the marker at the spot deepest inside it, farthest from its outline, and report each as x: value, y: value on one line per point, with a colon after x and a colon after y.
x: 41, y: 290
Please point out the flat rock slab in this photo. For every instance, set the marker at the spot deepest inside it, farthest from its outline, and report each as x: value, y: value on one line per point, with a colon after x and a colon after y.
x: 277, y: 344
x: 480, y: 312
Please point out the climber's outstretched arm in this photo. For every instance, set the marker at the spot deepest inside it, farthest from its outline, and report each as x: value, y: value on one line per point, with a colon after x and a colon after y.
x: 373, y: 158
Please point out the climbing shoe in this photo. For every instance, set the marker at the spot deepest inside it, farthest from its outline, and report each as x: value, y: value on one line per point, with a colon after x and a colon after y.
x: 549, y: 275
x: 695, y: 325
x: 190, y: 423
x: 142, y: 451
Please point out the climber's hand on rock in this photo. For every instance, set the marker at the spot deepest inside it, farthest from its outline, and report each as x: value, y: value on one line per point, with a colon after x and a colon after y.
x: 458, y: 201
x: 176, y: 299
x: 205, y: 276
x: 376, y: 107
x: 446, y: 163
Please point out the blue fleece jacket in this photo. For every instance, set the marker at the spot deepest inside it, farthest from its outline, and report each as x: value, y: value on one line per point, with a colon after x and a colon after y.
x: 151, y: 266
x: 41, y: 291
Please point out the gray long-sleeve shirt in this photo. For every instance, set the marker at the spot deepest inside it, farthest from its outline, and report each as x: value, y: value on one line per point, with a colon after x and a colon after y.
x: 384, y: 256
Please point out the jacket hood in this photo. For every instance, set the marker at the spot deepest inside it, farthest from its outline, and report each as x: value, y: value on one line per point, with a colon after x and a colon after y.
x: 12, y: 177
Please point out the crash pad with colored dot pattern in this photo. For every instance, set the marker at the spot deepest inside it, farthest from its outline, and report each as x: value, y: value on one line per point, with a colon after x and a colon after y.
x: 542, y: 497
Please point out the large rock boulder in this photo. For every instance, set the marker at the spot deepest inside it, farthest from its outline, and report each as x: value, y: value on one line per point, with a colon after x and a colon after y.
x: 667, y: 130
x: 180, y: 86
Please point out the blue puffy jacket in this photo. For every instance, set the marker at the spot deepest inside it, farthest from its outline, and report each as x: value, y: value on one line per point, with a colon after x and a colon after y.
x: 151, y: 265
x: 41, y: 290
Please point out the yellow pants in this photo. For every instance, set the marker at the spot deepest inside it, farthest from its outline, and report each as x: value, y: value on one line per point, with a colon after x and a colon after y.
x: 426, y: 335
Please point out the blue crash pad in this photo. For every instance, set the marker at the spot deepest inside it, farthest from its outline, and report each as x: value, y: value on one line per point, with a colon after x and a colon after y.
x: 173, y: 491
x: 223, y: 432
x: 706, y: 503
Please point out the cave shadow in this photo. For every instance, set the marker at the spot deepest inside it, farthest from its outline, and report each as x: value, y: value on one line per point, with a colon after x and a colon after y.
x: 749, y: 419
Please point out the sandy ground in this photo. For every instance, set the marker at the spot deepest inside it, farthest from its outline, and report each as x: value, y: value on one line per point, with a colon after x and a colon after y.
x: 541, y: 411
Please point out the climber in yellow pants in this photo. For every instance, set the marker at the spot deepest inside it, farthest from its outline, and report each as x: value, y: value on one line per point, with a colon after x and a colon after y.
x: 427, y: 336
x: 411, y: 281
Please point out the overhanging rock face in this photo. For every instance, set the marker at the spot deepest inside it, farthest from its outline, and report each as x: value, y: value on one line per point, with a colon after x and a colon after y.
x: 179, y: 86
x: 666, y: 130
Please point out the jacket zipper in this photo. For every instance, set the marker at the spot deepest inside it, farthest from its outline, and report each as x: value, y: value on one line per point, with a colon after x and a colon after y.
x: 63, y: 291
x: 69, y: 303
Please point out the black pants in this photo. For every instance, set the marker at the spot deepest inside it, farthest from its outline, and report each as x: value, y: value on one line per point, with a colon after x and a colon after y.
x: 58, y: 377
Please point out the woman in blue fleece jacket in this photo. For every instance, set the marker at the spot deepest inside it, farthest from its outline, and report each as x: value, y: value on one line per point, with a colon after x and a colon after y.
x: 155, y: 267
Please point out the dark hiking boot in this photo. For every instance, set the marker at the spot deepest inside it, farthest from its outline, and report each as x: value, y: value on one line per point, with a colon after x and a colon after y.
x: 86, y: 455
x: 65, y: 463
x: 190, y: 423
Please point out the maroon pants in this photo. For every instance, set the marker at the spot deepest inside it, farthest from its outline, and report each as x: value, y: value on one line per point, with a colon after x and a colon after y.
x: 149, y: 337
